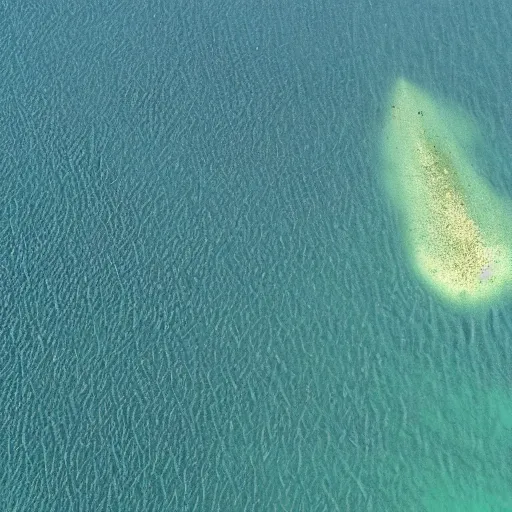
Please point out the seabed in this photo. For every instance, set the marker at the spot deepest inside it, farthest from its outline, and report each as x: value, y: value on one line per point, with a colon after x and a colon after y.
x: 458, y: 232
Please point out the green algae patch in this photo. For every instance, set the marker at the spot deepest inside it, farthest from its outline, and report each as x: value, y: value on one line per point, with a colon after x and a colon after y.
x: 457, y: 231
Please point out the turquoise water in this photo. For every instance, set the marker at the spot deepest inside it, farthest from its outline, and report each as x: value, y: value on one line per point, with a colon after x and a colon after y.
x: 205, y: 304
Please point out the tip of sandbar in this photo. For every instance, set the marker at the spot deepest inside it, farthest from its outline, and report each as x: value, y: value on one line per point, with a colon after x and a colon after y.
x: 404, y: 89
x: 402, y: 82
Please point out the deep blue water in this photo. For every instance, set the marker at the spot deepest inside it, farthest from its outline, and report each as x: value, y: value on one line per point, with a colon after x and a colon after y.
x: 205, y: 305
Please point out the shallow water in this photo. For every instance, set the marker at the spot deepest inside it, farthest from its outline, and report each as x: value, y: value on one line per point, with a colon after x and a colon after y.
x: 205, y: 302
